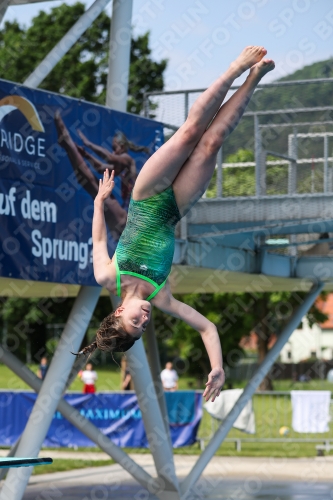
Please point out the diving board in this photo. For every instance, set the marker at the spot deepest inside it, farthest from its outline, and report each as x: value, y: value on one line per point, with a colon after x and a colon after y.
x: 8, y: 462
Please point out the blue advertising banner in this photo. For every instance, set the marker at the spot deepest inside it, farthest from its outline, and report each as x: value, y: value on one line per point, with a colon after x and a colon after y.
x: 53, y: 151
x: 117, y: 415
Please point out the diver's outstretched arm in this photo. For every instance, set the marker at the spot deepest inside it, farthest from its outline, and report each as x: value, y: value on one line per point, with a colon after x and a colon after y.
x: 118, y: 163
x: 208, y: 331
x: 101, y: 257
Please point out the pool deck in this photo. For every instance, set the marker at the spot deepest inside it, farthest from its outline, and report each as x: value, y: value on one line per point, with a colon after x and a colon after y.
x: 225, y: 478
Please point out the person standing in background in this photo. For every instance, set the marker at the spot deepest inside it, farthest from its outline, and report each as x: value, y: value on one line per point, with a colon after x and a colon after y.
x: 89, y: 377
x: 169, y: 378
x: 43, y: 367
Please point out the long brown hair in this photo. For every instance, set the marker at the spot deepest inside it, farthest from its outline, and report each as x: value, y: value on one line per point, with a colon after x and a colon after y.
x: 110, y: 336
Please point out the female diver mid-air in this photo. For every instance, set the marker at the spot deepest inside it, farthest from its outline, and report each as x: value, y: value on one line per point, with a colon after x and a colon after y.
x: 169, y: 184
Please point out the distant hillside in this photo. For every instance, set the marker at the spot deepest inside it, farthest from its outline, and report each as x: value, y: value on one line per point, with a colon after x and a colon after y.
x: 299, y: 96
x: 321, y: 69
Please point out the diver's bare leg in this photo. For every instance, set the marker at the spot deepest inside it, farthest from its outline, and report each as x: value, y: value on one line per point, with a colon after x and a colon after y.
x: 194, y: 177
x: 82, y: 172
x: 115, y: 215
x: 161, y: 169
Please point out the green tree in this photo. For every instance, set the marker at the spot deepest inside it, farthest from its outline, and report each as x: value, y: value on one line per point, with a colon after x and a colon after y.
x: 177, y: 339
x: 82, y: 72
x: 24, y: 324
x: 29, y: 325
x: 235, y: 315
x: 240, y: 181
x: 266, y: 314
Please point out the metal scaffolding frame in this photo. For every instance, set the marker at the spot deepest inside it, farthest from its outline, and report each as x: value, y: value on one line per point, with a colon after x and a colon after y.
x: 147, y: 383
x: 3, y: 7
x: 166, y: 486
x: 260, y: 152
x: 80, y: 422
x: 250, y: 389
x: 51, y: 391
x: 287, y: 83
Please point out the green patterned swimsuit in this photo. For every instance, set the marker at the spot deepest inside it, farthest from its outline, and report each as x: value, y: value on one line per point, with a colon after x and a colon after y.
x: 146, y: 246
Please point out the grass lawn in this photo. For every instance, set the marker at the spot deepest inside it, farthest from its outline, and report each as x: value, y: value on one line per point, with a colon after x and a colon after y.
x: 61, y: 465
x: 288, y: 385
x: 277, y: 450
x: 108, y: 380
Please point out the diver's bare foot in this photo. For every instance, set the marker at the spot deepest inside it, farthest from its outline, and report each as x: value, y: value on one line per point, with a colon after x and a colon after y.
x: 261, y: 68
x: 247, y: 58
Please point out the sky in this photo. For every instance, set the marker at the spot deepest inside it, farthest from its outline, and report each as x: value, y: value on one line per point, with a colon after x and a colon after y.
x: 200, y: 38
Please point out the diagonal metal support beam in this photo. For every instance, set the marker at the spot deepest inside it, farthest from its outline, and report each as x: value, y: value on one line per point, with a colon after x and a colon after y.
x: 65, y: 44
x: 155, y: 368
x: 80, y: 422
x: 52, y: 390
x: 153, y: 421
x: 280, y: 155
x: 3, y: 8
x: 250, y: 389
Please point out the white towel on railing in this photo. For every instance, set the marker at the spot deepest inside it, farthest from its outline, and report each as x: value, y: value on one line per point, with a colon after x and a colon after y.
x: 311, y: 410
x: 225, y: 402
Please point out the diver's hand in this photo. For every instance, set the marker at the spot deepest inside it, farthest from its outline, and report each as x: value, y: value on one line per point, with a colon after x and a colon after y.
x: 214, y: 385
x: 106, y: 186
